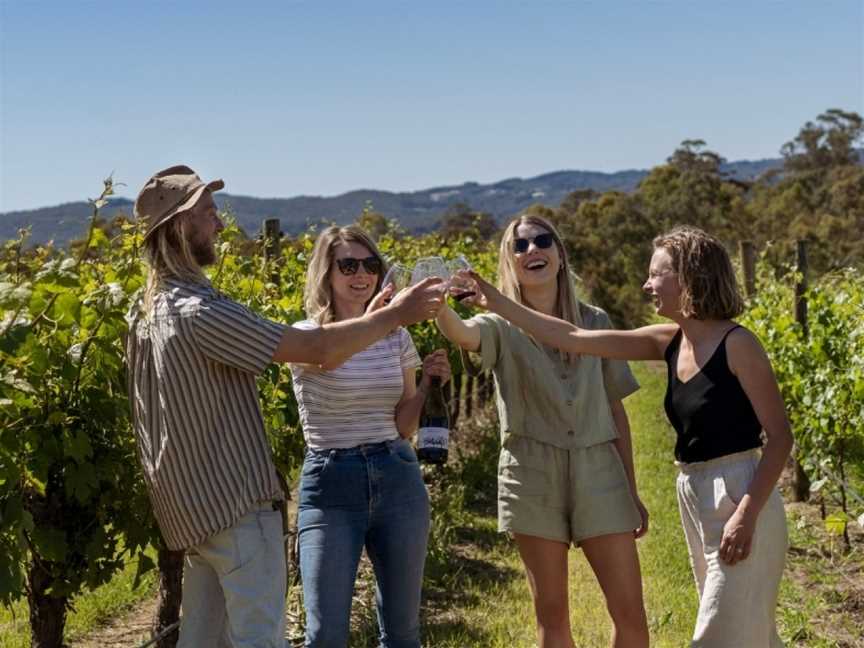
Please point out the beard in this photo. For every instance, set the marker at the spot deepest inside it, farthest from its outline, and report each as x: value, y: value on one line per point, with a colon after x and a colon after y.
x: 204, y: 252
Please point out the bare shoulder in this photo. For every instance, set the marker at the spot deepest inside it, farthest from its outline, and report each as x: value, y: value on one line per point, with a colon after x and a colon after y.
x: 744, y: 350
x: 660, y: 334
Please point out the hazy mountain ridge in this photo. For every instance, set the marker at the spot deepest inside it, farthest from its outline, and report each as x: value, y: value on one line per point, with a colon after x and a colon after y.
x: 417, y: 211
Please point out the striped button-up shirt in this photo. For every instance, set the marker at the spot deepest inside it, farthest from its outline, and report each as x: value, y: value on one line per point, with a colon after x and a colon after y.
x: 192, y: 364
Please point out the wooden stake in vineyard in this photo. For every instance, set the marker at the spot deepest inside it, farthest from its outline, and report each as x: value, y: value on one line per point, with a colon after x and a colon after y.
x: 800, y: 480
x: 748, y: 265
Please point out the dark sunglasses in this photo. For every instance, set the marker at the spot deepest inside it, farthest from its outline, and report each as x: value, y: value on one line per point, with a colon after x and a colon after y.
x: 542, y: 241
x: 350, y: 265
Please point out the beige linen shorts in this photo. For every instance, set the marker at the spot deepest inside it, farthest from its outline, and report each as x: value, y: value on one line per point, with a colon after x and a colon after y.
x: 563, y: 495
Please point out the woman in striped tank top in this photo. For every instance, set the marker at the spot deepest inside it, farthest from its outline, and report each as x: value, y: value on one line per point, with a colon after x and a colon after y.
x: 722, y: 397
x: 360, y: 485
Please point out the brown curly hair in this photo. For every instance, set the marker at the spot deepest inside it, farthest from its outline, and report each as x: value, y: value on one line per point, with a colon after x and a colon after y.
x: 709, y: 289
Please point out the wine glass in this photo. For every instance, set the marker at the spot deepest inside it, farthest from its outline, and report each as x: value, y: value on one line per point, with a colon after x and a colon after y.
x: 432, y: 266
x: 398, y: 275
x: 460, y: 287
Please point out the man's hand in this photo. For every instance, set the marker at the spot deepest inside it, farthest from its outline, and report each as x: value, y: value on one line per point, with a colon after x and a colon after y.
x: 419, y: 302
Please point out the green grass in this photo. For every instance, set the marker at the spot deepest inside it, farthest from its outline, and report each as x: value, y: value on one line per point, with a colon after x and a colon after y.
x: 90, y: 610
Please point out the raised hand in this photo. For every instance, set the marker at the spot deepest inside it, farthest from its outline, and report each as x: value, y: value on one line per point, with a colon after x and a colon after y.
x: 474, y: 290
x: 419, y: 302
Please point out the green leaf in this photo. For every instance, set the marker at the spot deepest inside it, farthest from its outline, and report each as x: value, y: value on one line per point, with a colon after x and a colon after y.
x: 50, y: 543
x: 835, y: 524
x: 817, y: 485
x: 67, y: 308
x: 77, y: 446
x: 145, y: 564
x: 81, y: 481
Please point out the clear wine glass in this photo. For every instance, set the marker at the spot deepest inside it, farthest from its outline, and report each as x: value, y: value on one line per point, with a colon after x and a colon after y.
x: 398, y: 275
x: 432, y: 266
x: 460, y: 287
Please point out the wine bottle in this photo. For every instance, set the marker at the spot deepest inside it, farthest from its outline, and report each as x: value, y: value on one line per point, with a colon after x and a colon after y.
x: 433, y: 437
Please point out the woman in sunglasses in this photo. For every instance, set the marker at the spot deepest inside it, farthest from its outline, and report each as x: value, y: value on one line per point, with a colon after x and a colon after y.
x: 721, y: 397
x: 360, y: 485
x: 565, y: 474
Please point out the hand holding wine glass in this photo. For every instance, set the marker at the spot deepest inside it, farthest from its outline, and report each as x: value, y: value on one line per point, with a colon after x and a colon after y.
x: 460, y: 287
x: 482, y: 293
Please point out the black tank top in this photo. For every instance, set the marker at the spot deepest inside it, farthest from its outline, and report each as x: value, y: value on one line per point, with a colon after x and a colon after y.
x: 710, y: 412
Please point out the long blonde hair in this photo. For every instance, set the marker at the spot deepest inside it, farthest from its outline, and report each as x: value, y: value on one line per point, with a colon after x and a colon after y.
x: 318, y: 294
x: 169, y: 254
x: 567, y: 305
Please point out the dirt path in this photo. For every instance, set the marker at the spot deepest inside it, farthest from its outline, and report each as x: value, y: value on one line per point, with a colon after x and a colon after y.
x: 127, y: 631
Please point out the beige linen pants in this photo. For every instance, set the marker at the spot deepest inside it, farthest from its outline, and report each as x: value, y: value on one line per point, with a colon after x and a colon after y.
x: 736, y: 602
x: 234, y: 586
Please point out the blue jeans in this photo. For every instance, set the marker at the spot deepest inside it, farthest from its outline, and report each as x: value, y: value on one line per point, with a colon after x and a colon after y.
x: 369, y: 496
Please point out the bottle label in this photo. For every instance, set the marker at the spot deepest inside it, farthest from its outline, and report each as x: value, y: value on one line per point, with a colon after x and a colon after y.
x: 433, y: 437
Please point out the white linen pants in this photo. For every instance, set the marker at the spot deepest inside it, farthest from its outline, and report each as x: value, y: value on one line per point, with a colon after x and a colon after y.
x: 234, y: 586
x: 737, y: 603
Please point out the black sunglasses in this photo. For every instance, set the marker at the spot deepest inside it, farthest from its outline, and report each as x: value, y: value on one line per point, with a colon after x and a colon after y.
x: 542, y: 241
x: 350, y: 265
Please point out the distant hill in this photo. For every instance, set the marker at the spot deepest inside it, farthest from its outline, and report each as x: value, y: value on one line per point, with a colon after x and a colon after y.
x: 417, y: 211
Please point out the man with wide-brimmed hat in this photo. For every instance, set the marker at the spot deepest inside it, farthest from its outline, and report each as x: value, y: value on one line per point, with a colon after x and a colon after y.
x: 193, y: 356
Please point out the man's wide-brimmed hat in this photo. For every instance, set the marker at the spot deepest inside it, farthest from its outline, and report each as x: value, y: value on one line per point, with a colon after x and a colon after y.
x: 168, y: 193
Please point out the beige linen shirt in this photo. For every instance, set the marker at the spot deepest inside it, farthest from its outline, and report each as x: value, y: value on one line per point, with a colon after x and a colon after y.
x: 539, y: 395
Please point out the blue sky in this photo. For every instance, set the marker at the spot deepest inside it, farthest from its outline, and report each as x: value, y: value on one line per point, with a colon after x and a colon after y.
x: 319, y: 98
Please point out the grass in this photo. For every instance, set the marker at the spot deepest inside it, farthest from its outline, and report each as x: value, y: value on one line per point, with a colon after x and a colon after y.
x: 89, y: 611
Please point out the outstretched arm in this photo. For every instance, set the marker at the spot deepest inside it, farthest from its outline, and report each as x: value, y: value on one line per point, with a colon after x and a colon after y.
x: 463, y: 334
x: 646, y: 343
x: 332, y: 344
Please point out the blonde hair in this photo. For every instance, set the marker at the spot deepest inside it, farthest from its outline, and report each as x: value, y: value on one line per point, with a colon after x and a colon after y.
x: 709, y: 289
x: 318, y: 294
x: 567, y: 305
x: 169, y: 254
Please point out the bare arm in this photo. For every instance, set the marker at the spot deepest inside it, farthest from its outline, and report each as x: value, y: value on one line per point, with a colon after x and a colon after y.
x: 413, y: 397
x: 624, y: 445
x: 646, y: 343
x: 461, y: 333
x: 410, y: 405
x: 332, y: 344
x: 748, y: 361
